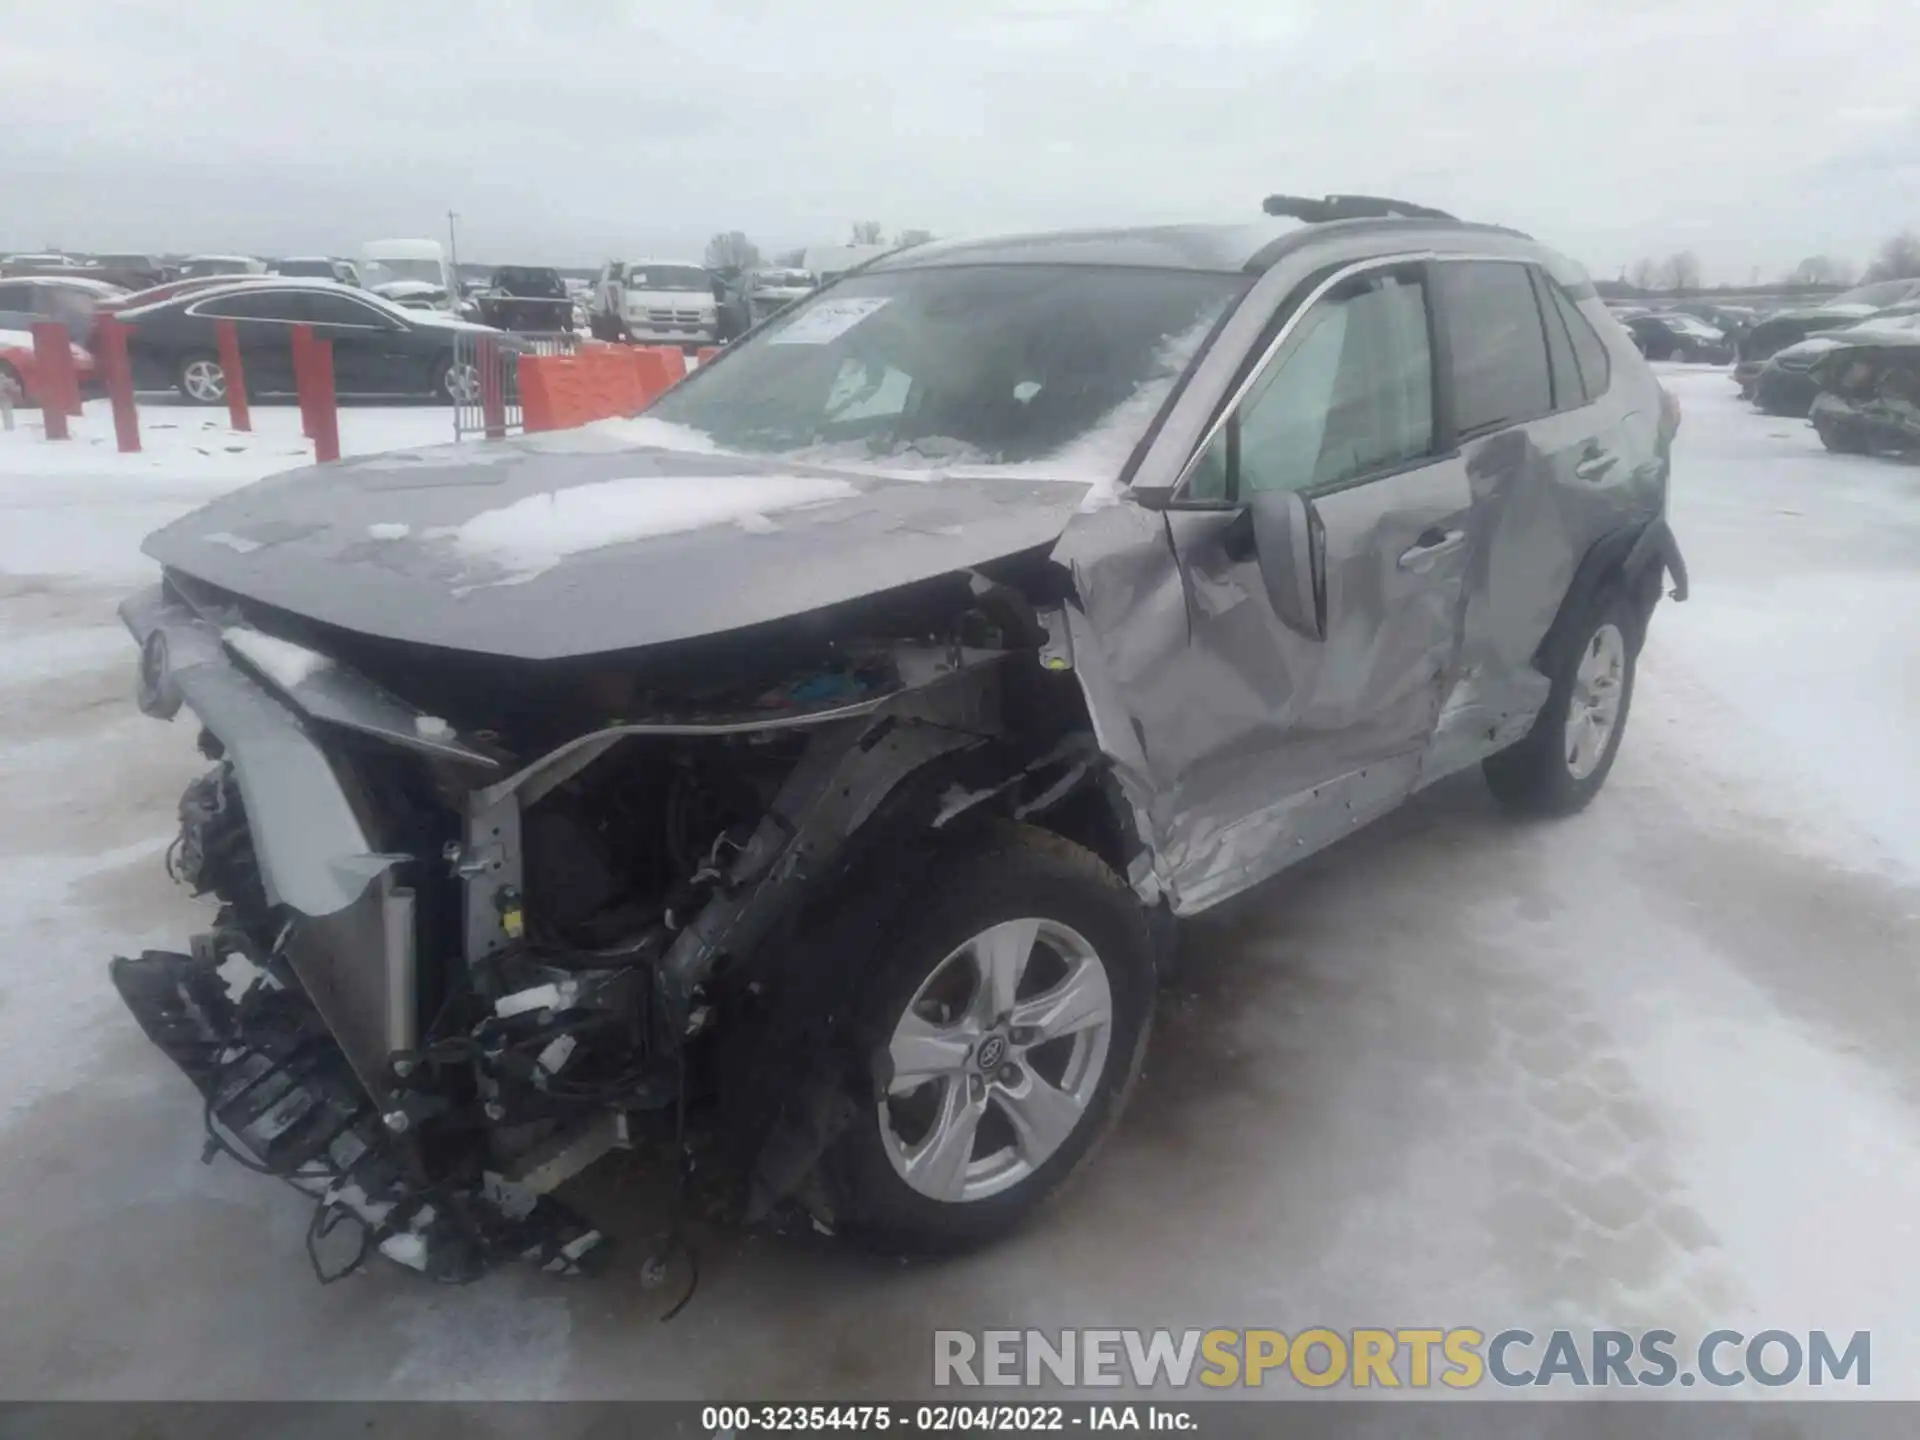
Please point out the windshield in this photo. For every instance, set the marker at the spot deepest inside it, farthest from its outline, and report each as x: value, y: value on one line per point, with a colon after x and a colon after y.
x: 962, y: 366
x: 781, y: 280
x: 385, y: 272
x: 668, y: 277
x: 307, y: 269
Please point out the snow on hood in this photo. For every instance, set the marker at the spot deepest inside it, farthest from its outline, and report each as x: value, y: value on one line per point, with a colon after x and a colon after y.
x: 531, y: 536
x: 1813, y: 345
x: 409, y: 287
x: 442, y: 320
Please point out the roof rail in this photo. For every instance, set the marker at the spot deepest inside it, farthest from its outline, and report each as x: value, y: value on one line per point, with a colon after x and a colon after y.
x: 1348, y: 207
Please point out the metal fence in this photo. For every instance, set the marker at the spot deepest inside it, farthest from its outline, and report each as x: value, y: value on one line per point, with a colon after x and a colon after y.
x: 485, y: 379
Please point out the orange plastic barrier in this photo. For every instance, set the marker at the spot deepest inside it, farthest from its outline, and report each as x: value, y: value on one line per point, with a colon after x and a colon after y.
x: 541, y: 393
x: 706, y: 353
x: 651, y: 376
x: 676, y: 360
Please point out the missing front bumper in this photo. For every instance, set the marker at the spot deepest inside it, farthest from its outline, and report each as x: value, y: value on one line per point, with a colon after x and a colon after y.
x: 281, y: 1100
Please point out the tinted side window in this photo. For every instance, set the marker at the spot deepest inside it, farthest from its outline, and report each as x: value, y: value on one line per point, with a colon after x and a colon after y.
x: 340, y: 310
x: 261, y: 305
x: 1596, y: 372
x: 1496, y: 343
x: 17, y: 297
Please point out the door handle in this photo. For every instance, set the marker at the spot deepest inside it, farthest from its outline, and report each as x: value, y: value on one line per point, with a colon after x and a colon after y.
x: 1432, y: 544
x: 1593, y: 465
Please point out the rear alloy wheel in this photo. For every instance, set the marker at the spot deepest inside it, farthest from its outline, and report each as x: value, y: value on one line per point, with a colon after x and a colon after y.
x: 1001, y: 1036
x: 1564, y: 759
x: 202, y: 381
x: 459, y: 383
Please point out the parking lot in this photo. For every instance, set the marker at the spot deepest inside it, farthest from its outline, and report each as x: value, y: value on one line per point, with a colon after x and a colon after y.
x: 1648, y: 1067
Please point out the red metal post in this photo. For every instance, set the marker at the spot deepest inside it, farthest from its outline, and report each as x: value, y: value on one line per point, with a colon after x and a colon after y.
x: 110, y: 353
x: 53, y: 375
x: 326, y: 413
x: 493, y: 401
x: 235, y: 372
x: 303, y: 376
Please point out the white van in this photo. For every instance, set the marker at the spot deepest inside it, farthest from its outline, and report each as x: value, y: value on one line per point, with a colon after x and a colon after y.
x: 414, y: 273
x: 656, y: 301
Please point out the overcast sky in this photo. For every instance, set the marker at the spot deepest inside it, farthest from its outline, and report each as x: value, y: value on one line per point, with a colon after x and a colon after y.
x: 577, y: 130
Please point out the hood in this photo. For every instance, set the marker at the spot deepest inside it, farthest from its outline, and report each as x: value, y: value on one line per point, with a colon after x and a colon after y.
x: 446, y: 320
x: 592, y: 540
x: 1874, y: 337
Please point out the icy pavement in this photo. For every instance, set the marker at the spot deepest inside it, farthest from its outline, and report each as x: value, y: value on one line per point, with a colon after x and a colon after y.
x: 1653, y: 1066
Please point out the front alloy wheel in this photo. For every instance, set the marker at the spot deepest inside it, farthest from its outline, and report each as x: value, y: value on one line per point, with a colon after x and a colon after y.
x: 995, y: 1040
x: 996, y: 1059
x: 461, y: 383
x: 203, y: 381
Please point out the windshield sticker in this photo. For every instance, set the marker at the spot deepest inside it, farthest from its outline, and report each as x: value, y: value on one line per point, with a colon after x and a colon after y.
x: 828, y: 320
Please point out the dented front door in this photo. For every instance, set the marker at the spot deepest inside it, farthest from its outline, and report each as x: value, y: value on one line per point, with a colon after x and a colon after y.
x: 1256, y: 741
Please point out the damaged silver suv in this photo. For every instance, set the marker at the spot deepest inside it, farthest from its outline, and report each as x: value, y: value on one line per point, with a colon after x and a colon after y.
x: 815, y: 766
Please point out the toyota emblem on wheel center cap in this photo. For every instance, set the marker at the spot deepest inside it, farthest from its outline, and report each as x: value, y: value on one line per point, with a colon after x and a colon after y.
x: 992, y: 1051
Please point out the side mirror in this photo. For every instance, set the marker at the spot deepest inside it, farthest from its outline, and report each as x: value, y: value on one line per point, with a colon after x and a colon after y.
x: 1290, y: 552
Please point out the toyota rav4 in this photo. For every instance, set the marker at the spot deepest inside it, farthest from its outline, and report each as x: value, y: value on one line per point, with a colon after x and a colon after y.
x: 823, y: 759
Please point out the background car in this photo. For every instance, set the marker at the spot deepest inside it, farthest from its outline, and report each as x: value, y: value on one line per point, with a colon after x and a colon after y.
x: 72, y: 300
x: 33, y: 262
x: 1677, y: 336
x: 154, y: 294
x: 136, y: 272
x: 750, y: 296
x: 1790, y: 382
x: 527, y: 298
x: 1870, y: 390
x: 1789, y: 327
x: 378, y: 348
x: 316, y: 267
x: 20, y: 367
x: 196, y: 266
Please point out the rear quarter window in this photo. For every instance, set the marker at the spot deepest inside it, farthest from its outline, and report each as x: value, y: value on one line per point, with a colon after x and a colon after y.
x: 1589, y: 350
x: 1496, y: 344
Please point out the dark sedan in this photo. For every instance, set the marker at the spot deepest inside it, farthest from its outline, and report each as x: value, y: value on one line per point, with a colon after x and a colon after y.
x: 1679, y: 337
x: 378, y: 348
x: 1788, y: 327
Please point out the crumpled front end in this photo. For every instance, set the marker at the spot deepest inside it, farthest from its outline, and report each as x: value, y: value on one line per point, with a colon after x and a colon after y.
x: 297, y: 1014
x: 1869, y: 399
x: 456, y: 962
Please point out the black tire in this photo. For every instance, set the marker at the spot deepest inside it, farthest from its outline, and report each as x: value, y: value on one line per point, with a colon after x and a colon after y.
x: 11, y: 376
x: 196, y: 393
x: 1014, y: 872
x: 1535, y: 776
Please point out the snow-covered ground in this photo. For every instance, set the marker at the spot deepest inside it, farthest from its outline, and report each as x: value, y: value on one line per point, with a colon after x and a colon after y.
x: 1649, y: 1067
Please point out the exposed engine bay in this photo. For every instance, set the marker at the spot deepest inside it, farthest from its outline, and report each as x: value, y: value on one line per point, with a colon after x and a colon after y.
x: 558, y: 921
